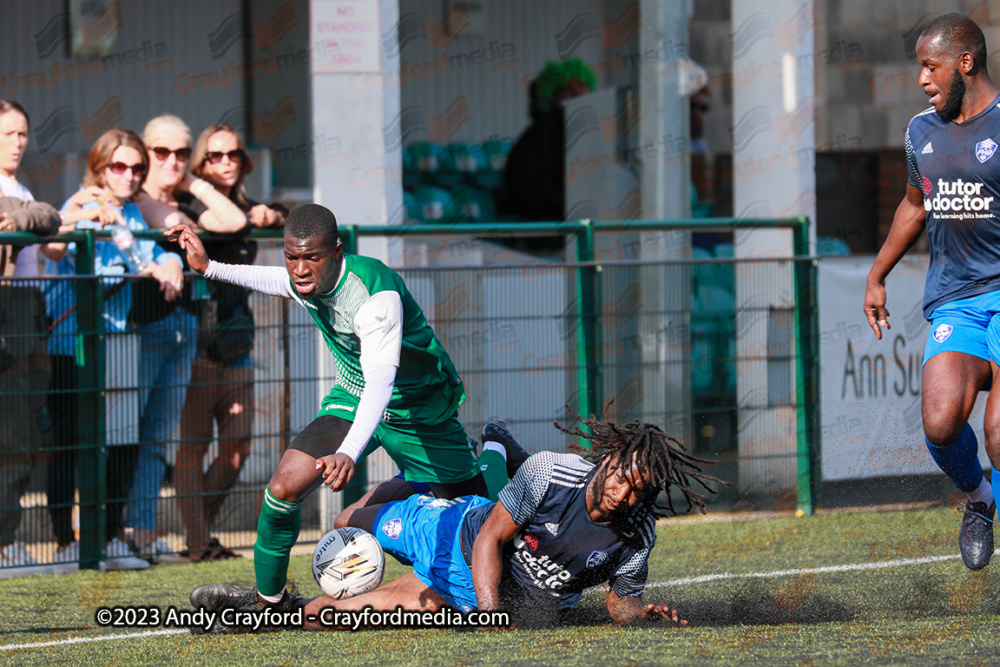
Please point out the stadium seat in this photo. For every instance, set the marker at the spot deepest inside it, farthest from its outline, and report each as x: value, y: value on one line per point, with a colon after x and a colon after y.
x: 438, y: 205
x: 496, y: 153
x: 465, y: 160
x: 429, y: 158
x: 412, y: 176
x: 831, y: 246
x: 477, y: 205
x: 699, y: 210
x: 414, y: 211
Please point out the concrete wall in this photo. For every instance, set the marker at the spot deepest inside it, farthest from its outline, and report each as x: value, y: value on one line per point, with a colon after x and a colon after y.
x: 866, y: 72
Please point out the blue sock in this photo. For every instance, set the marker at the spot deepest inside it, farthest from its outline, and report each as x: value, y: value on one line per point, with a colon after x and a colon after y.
x: 960, y: 460
x: 996, y: 478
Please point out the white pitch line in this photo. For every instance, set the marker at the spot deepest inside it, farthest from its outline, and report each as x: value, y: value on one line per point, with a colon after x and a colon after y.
x: 102, y: 638
x: 784, y: 573
x: 657, y: 584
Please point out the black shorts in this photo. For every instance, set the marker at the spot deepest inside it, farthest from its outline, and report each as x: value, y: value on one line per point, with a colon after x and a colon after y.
x: 322, y: 436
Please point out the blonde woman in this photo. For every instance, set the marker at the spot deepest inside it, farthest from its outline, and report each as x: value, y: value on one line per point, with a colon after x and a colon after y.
x: 168, y: 327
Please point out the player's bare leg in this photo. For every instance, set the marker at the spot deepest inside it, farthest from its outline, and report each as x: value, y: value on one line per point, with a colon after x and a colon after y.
x: 951, y: 382
x: 991, y: 422
x: 392, y: 489
x: 280, y: 513
x: 296, y: 476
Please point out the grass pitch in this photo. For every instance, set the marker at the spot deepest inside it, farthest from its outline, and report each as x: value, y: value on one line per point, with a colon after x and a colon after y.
x: 833, y: 589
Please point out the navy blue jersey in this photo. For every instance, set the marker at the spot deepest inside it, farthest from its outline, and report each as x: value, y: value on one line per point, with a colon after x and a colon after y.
x: 560, y: 551
x: 957, y: 167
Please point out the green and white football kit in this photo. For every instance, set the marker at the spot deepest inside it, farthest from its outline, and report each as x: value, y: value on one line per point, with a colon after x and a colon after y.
x: 395, y: 383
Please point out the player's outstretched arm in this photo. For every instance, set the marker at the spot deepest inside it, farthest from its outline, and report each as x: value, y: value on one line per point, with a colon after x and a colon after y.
x: 628, y: 611
x: 271, y: 280
x: 907, y: 225
x: 189, y: 242
x: 487, y: 556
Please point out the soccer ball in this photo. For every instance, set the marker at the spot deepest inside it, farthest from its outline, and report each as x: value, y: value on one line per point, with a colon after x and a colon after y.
x: 348, y: 562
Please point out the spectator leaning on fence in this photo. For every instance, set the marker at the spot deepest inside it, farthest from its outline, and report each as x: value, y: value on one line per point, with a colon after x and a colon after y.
x: 221, y: 389
x: 23, y: 335
x: 14, y: 127
x: 116, y: 167
x: 167, y: 328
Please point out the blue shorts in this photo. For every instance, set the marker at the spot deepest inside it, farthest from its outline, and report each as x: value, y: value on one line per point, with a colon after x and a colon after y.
x: 967, y: 325
x: 425, y: 532
x: 419, y: 487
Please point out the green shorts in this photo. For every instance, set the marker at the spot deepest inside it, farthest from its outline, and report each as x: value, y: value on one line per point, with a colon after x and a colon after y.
x: 438, y: 453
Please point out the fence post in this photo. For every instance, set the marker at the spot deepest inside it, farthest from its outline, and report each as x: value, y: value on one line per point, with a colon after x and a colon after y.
x: 356, y: 488
x: 806, y: 401
x: 588, y: 350
x: 90, y: 405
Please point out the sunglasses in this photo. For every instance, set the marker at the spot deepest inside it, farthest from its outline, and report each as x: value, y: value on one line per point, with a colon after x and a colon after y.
x: 162, y: 153
x: 119, y: 168
x: 215, y: 157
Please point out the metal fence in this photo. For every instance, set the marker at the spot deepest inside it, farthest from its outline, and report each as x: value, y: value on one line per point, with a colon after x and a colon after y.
x: 721, y: 352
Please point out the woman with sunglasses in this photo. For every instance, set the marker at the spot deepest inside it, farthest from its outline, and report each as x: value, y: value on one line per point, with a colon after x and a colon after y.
x: 221, y: 387
x: 116, y: 167
x: 167, y: 328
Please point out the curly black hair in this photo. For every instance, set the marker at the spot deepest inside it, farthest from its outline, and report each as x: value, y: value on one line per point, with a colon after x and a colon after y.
x: 662, y: 459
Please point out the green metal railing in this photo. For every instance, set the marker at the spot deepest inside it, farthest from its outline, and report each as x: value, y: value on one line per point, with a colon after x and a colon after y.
x: 589, y: 362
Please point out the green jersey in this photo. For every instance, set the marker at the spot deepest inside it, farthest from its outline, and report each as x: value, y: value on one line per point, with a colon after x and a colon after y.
x: 363, y: 326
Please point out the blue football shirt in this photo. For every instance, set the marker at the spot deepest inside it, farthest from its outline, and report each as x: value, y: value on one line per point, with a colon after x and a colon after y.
x: 559, y: 550
x: 957, y: 166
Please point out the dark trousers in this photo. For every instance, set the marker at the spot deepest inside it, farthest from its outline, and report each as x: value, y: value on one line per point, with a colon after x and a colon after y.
x: 61, y: 470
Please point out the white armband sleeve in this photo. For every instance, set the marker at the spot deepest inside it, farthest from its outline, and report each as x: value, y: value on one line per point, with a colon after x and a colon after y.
x: 271, y: 280
x: 379, y: 381
x: 379, y: 325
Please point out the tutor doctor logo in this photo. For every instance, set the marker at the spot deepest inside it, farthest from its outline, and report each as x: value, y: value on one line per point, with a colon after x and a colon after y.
x: 957, y: 200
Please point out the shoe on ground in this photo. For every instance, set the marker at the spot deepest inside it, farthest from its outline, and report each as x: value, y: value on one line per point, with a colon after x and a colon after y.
x: 215, y: 597
x: 118, y: 556
x: 15, y: 555
x: 154, y: 550
x: 975, y: 539
x: 496, y: 431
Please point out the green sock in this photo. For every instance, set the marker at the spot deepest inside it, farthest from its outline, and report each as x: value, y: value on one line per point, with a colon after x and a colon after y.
x: 494, y: 468
x: 277, y: 531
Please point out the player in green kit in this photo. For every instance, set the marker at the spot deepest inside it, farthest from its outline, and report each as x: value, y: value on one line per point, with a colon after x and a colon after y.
x: 396, y: 387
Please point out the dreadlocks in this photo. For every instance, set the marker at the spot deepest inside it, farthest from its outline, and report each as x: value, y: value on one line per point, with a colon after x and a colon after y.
x: 661, y: 459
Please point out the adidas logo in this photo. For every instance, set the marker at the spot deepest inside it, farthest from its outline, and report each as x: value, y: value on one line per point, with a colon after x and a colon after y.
x: 927, y: 149
x: 553, y: 528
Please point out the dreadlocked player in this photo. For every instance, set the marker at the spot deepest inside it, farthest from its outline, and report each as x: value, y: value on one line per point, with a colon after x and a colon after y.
x: 561, y: 525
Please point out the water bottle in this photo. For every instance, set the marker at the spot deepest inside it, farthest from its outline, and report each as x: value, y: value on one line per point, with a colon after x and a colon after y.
x: 129, y: 249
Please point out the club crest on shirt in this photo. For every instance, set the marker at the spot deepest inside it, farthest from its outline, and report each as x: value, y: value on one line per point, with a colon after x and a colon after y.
x: 597, y: 559
x: 985, y: 150
x: 393, y: 528
x: 942, y: 332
